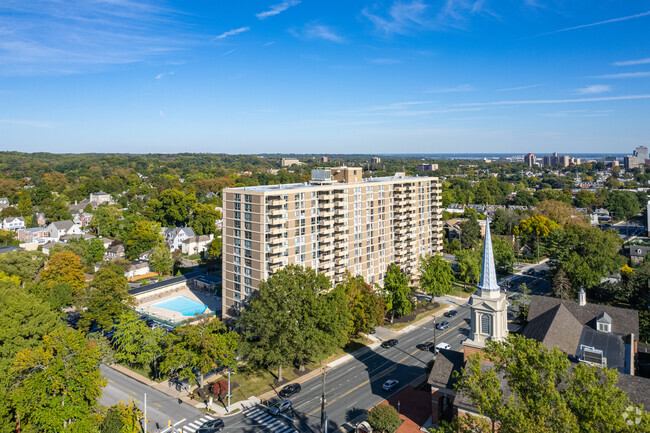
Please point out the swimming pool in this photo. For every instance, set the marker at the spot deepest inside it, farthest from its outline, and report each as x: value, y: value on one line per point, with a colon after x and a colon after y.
x: 183, y: 305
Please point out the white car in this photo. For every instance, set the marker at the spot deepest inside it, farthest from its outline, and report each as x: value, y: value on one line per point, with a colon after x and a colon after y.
x: 390, y: 385
x: 445, y: 346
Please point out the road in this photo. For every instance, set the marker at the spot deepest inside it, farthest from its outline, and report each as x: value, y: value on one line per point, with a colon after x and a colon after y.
x: 351, y: 388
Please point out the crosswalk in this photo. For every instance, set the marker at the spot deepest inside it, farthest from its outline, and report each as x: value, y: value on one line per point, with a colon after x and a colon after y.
x: 189, y: 427
x: 260, y: 415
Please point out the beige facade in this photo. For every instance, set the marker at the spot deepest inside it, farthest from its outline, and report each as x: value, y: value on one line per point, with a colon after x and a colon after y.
x: 336, y: 222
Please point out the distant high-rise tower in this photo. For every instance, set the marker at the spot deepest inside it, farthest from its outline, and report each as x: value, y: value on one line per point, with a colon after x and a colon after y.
x: 489, y: 306
x: 530, y: 160
x: 641, y: 153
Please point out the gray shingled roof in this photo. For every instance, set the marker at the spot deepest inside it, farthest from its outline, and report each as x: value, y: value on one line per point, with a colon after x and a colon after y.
x: 636, y: 388
x: 63, y: 225
x: 447, y: 361
x: 556, y: 327
x: 625, y: 321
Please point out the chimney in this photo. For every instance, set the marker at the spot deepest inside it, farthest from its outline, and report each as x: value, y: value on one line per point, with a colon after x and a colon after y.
x: 582, y: 297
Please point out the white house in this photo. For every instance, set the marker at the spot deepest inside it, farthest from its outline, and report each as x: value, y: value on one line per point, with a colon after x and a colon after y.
x: 196, y: 244
x: 63, y: 228
x: 175, y: 236
x: 137, y: 268
x: 13, y: 223
x: 99, y: 198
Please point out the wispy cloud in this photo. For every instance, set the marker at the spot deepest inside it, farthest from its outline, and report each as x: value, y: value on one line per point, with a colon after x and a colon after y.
x: 74, y: 36
x: 267, y: 44
x: 402, y: 16
x: 232, y: 32
x: 519, y: 88
x: 164, y: 74
x: 459, y: 88
x: 277, y: 9
x: 554, y: 101
x: 230, y: 51
x: 593, y: 89
x: 633, y: 62
x: 578, y: 113
x: 162, y: 114
x: 624, y: 75
x: 384, y: 61
x: 319, y: 31
x: 32, y: 123
x: 599, y: 23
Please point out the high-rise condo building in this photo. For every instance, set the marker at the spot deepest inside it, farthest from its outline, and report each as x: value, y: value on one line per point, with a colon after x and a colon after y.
x: 530, y: 160
x: 336, y: 222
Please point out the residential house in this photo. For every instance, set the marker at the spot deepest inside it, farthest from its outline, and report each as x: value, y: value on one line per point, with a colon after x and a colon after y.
x: 31, y: 234
x: 636, y: 253
x: 83, y: 219
x: 41, y: 220
x: 145, y: 255
x: 9, y: 249
x: 137, y: 269
x: 49, y: 245
x: 175, y: 236
x: 58, y: 229
x: 115, y: 251
x: 4, y: 202
x: 196, y: 244
x: 13, y: 223
x: 100, y: 198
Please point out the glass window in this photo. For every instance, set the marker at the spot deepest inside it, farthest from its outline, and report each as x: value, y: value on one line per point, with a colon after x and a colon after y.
x: 237, y: 197
x: 248, y: 207
x: 238, y: 224
x: 248, y: 198
x: 248, y: 281
x: 237, y: 242
x: 237, y: 215
x: 248, y: 244
x: 248, y: 217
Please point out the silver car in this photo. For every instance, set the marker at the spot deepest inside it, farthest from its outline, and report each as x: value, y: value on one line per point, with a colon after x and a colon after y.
x: 282, y: 407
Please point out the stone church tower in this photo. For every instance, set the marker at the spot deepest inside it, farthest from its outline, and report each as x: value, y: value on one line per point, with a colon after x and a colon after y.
x: 489, y: 306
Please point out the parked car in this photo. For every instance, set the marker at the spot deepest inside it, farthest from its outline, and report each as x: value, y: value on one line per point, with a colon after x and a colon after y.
x: 389, y: 343
x: 390, y: 385
x: 442, y: 325
x: 445, y: 346
x: 282, y: 407
x: 425, y: 346
x: 530, y: 272
x: 211, y: 426
x: 290, y: 390
x: 451, y: 313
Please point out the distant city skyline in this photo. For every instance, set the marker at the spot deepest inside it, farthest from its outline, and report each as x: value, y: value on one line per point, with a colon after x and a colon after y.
x: 291, y: 76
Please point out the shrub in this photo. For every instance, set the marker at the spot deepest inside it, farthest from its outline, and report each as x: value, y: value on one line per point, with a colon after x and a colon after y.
x: 384, y: 418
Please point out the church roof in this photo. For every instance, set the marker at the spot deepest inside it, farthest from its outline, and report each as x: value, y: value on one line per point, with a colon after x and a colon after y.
x: 489, y: 281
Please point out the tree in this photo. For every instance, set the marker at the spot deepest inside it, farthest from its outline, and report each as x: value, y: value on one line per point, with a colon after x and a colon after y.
x: 57, y: 295
x: 535, y: 226
x: 161, y: 260
x: 561, y: 285
x: 23, y: 264
x: 122, y: 418
x: 105, y: 298
x: 24, y: 321
x: 546, y: 394
x: 384, y: 418
x: 504, y: 255
x: 398, y: 292
x: 435, y: 276
x: 64, y: 267
x: 469, y: 266
x: 58, y: 382
x: 560, y: 213
x: 203, y: 219
x: 106, y: 221
x: 135, y: 343
x: 7, y: 237
x: 200, y: 348
x: 367, y: 308
x: 623, y: 204
x: 55, y: 210
x: 584, y: 199
x: 143, y: 236
x: 25, y: 206
x: 470, y: 233
x: 95, y: 251
x: 291, y: 320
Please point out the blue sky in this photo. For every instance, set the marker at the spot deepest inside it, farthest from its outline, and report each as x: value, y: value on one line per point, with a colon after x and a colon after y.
x: 324, y: 76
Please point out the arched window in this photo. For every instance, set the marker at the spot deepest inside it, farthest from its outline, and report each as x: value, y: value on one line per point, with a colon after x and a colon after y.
x: 485, y: 324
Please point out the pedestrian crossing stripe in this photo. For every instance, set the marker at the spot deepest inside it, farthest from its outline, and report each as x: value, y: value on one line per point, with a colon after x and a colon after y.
x: 194, y: 425
x: 260, y: 416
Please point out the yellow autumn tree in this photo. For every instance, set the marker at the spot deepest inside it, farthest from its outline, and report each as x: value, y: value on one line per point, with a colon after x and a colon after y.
x: 64, y: 267
x: 536, y: 225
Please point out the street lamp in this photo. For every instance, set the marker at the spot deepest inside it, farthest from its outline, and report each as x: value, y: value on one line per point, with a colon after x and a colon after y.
x: 434, y: 337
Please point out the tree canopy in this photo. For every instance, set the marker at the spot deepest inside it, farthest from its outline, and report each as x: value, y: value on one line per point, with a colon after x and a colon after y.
x: 436, y: 275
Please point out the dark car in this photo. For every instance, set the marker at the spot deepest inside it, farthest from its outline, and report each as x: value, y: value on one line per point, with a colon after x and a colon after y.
x: 425, y: 346
x: 282, y: 407
x: 451, y: 313
x: 530, y: 272
x: 442, y: 325
x: 290, y: 390
x: 212, y: 426
x: 389, y: 343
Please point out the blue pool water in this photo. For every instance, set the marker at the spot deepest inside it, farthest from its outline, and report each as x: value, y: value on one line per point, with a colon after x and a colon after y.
x: 183, y: 305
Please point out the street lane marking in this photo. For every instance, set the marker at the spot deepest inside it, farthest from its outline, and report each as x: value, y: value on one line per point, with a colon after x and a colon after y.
x: 382, y: 374
x: 157, y: 405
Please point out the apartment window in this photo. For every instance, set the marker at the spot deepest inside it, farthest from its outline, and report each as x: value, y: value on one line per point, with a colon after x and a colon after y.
x: 237, y: 242
x: 237, y: 278
x: 238, y: 224
x: 297, y: 250
x: 248, y: 226
x: 248, y: 217
x: 237, y: 250
x: 248, y: 272
x: 248, y: 253
x: 248, y: 198
x: 248, y: 281
x: 247, y: 290
x: 237, y: 215
x: 248, y: 207
x: 237, y: 296
x: 236, y: 304
x: 237, y: 286
x: 248, y: 262
x: 237, y: 233
x: 237, y: 197
x: 237, y: 206
x: 248, y: 235
x: 237, y: 269
x: 238, y: 260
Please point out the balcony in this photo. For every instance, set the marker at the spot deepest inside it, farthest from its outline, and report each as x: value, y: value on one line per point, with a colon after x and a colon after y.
x: 341, y: 263
x: 326, y: 247
x: 275, y: 261
x: 326, y: 214
x: 324, y: 195
x: 274, y: 202
x: 340, y: 196
x: 339, y: 237
x: 275, y: 231
x: 325, y: 232
x: 275, y: 212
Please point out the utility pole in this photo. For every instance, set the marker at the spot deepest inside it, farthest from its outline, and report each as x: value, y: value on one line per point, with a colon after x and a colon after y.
x: 228, y: 390
x: 145, y: 412
x: 323, y: 416
x: 435, y: 349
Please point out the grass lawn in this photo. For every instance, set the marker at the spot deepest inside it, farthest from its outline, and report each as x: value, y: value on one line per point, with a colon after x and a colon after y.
x: 144, y: 371
x: 419, y: 315
x: 459, y: 291
x: 257, y: 382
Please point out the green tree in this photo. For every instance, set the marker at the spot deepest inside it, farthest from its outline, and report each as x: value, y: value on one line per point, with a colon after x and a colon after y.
x: 623, y: 204
x: 384, y: 418
x: 202, y: 348
x: 57, y: 295
x: 58, y: 382
x: 64, y: 267
x: 7, y: 237
x: 436, y: 275
x: 55, y: 210
x: 584, y: 199
x: 504, y: 254
x: 561, y: 285
x: 23, y: 264
x: 135, y: 343
x: 95, y: 251
x: 469, y: 266
x: 470, y: 233
x: 143, y: 236
x: 172, y: 208
x: 203, y: 219
x: 161, y: 260
x: 367, y: 308
x: 546, y: 395
x: 291, y: 320
x: 105, y: 298
x: 24, y: 321
x: 122, y: 418
x: 107, y: 221
x: 398, y: 292
x: 25, y: 206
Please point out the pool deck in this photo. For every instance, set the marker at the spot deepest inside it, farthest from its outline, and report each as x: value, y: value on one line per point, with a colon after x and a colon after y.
x: 213, y: 304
